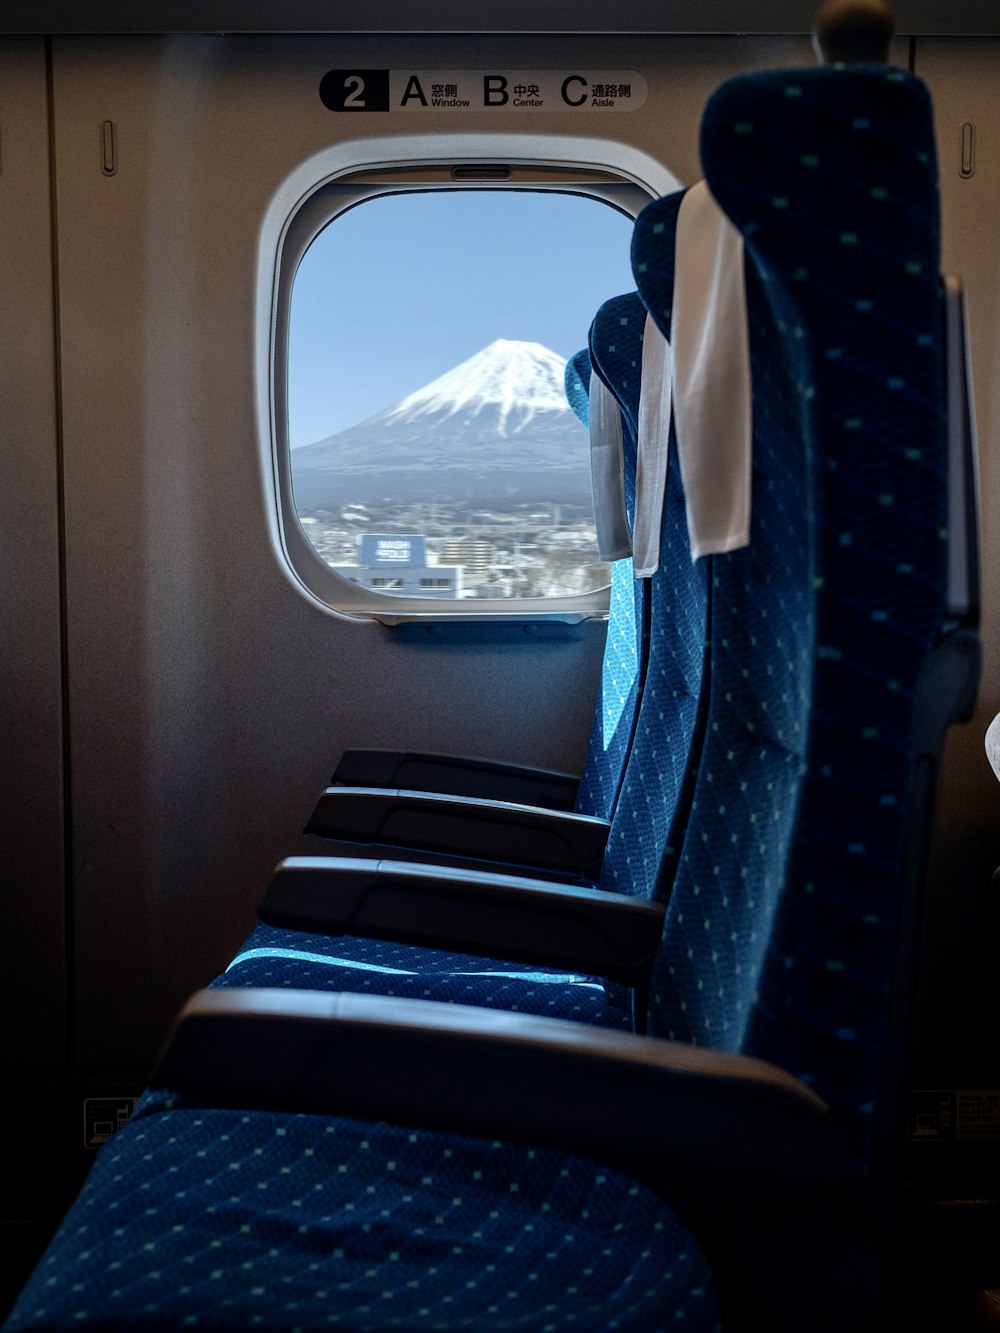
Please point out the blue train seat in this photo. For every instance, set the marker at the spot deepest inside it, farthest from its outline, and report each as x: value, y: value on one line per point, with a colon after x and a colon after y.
x: 627, y: 645
x: 623, y: 665
x: 387, y: 1181
x: 851, y: 290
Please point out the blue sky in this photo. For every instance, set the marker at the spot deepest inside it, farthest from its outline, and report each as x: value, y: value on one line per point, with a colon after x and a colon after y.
x: 403, y: 287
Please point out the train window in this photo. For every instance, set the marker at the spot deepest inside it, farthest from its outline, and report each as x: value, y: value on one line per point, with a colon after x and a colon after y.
x: 431, y: 461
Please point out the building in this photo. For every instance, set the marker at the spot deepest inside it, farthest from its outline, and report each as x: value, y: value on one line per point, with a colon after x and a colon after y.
x: 398, y: 564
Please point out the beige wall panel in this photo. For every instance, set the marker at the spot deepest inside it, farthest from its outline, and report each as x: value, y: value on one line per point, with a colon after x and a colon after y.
x: 209, y: 696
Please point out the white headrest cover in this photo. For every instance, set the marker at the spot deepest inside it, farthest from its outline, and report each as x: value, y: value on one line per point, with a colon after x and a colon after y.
x: 654, y: 449
x: 708, y: 370
x: 993, y: 745
x: 607, y: 472
x: 712, y: 402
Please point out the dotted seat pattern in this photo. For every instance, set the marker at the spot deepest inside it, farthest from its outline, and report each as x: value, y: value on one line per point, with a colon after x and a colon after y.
x: 780, y: 930
x: 625, y: 645
x: 652, y: 807
x: 220, y: 1220
x: 756, y: 709
x: 617, y: 701
x: 576, y: 381
x: 284, y: 958
x: 684, y: 585
x: 643, y: 823
x: 614, y: 714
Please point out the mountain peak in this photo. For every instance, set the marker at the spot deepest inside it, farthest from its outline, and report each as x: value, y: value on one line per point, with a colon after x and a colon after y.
x: 510, y: 379
x: 495, y: 427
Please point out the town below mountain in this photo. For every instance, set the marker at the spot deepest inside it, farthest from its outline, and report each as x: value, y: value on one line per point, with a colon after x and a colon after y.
x: 485, y: 468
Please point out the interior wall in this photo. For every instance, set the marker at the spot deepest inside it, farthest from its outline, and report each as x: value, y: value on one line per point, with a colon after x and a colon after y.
x: 205, y: 699
x: 209, y: 698
x: 964, y: 80
x: 32, y: 960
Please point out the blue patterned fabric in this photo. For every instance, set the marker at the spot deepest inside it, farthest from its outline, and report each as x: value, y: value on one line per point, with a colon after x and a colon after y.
x: 625, y: 647
x: 779, y: 938
x: 275, y: 957
x: 616, y: 356
x: 879, y: 500
x: 220, y: 1220
x: 576, y: 381
x: 648, y: 817
x: 617, y: 701
x: 621, y: 669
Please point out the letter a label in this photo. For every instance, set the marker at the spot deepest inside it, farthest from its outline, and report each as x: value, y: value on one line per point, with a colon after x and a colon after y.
x: 413, y: 89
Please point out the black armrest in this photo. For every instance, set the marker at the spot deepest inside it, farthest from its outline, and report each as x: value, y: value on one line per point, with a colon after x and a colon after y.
x: 460, y: 826
x: 499, y: 916
x: 746, y: 1155
x: 457, y: 775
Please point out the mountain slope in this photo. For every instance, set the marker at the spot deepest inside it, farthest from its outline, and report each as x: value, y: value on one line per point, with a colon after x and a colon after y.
x: 497, y: 425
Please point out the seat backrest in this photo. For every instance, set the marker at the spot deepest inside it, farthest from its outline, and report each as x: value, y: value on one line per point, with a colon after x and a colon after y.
x: 624, y: 665
x: 618, y: 700
x: 779, y: 938
x: 650, y: 807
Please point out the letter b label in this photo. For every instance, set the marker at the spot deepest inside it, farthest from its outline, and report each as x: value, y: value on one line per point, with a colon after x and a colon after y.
x: 495, y: 90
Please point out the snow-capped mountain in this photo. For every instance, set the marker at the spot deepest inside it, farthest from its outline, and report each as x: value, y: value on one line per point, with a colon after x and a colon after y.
x: 508, y: 383
x: 497, y: 425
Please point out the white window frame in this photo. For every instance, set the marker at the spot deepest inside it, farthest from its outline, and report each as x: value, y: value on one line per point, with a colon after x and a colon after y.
x: 361, y: 170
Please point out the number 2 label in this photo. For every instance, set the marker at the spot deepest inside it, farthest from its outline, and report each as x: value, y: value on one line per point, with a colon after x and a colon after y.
x: 355, y: 90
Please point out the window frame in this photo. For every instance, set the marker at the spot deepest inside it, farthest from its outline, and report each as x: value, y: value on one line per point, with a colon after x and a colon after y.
x: 318, y: 209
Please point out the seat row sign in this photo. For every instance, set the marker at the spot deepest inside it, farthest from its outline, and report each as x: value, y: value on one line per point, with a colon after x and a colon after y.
x: 482, y: 90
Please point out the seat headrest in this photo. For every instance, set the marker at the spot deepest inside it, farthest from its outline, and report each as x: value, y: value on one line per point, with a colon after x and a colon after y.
x: 577, y: 384
x: 616, y: 351
x: 616, y: 357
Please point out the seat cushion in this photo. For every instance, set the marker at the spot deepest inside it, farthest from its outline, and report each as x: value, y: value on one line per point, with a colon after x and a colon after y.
x: 223, y: 1220
x: 275, y: 957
